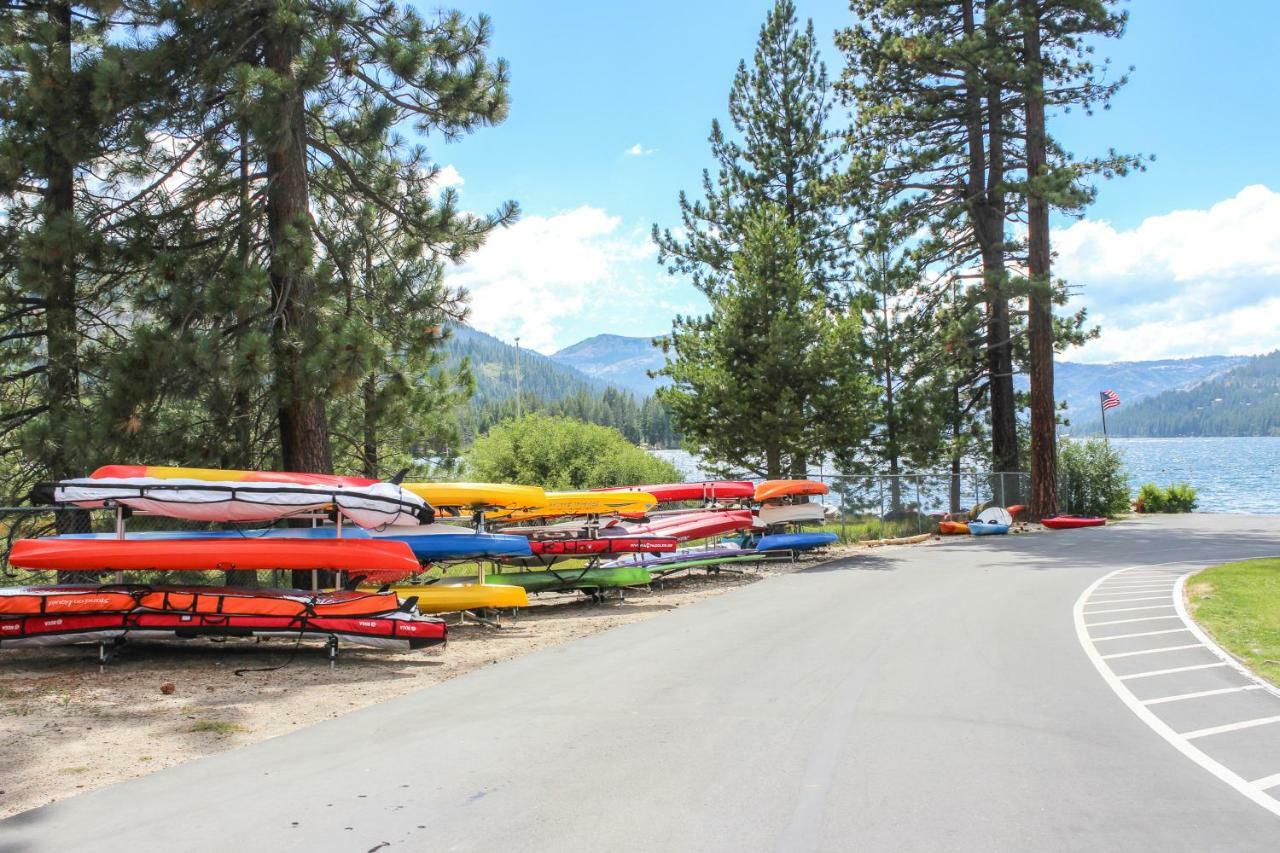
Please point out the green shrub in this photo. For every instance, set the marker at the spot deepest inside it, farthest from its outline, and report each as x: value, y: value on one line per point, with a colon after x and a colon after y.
x: 1091, y: 479
x: 1179, y: 497
x: 562, y: 453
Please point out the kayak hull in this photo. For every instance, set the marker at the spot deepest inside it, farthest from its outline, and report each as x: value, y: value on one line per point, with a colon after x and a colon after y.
x: 708, y: 490
x: 557, y: 504
x: 237, y: 601
x: 439, y: 598
x: 691, y: 526
x: 953, y: 528
x: 562, y: 580
x: 982, y: 528
x: 775, y: 490
x: 603, y: 545
x: 796, y: 541
x: 1072, y: 522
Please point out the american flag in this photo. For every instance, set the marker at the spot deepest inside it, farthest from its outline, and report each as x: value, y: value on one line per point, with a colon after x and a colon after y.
x: 1110, y: 400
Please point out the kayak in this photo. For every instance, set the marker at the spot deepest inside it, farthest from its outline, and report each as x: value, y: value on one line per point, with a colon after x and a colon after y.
x: 696, y: 552
x: 664, y: 569
x: 327, y: 532
x: 360, y: 556
x: 372, y: 505
x: 560, y: 580
x: 953, y: 528
x: 795, y: 541
x: 441, y: 598
x: 979, y: 527
x: 1070, y: 522
x: 772, y: 514
x: 239, y: 601
x: 690, y: 526
x: 603, y: 545
x: 438, y: 542
x: 478, y: 496
x: 773, y: 490
x: 557, y: 504
x: 398, y: 630
x: 165, y: 472
x: 709, y: 490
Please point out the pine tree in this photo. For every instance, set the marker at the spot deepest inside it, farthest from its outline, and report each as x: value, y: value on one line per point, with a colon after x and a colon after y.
x: 778, y: 107
x: 770, y: 378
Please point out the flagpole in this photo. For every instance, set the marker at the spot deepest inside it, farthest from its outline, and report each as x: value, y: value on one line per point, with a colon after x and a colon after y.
x: 1102, y: 407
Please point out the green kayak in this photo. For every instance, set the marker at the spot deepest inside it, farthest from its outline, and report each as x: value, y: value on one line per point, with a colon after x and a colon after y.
x: 559, y: 580
x: 709, y: 563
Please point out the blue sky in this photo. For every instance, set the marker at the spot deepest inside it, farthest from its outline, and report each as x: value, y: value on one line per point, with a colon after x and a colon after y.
x: 1181, y: 260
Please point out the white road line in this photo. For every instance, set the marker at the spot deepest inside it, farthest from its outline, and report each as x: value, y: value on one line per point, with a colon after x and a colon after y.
x: 1139, y: 634
x: 1127, y: 621
x: 1159, y: 726
x: 1135, y: 585
x: 1152, y: 651
x: 1145, y: 597
x: 1128, y: 609
x: 1267, y: 781
x: 1171, y: 670
x: 1232, y: 727
x: 1200, y: 693
x: 1165, y: 588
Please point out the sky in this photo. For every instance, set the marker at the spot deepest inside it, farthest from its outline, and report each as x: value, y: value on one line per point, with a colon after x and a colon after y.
x: 611, y: 104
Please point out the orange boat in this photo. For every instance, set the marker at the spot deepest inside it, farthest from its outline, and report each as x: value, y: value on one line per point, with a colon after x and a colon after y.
x: 773, y: 490
x: 953, y: 528
x: 359, y: 556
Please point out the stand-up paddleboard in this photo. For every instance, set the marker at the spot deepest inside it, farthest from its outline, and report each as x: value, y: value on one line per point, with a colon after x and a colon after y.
x: 776, y: 490
x: 707, y: 491
x: 238, y: 601
x: 359, y: 556
x: 603, y: 545
x: 237, y: 501
x: 478, y: 496
x: 698, y: 525
x: 400, y: 630
x: 439, y: 542
x: 558, y: 504
x: 795, y: 541
x: 806, y: 513
x: 562, y: 580
x: 1071, y: 522
x: 453, y: 598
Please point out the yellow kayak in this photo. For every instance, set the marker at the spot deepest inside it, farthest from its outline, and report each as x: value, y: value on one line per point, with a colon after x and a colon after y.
x: 583, y: 503
x: 473, y: 496
x: 434, y: 598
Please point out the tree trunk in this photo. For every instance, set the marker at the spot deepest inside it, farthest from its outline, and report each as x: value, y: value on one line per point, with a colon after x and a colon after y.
x: 369, y: 454
x: 773, y: 462
x: 1044, y: 451
x: 890, y: 413
x: 304, y: 429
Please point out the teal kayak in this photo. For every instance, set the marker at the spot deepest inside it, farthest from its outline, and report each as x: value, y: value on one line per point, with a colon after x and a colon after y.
x: 561, y: 580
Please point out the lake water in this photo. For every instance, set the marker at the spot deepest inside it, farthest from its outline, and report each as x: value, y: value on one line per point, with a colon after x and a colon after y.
x: 1229, y: 474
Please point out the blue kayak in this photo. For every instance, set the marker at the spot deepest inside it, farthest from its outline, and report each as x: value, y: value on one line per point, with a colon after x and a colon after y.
x: 987, y: 528
x: 442, y: 543
x: 795, y: 541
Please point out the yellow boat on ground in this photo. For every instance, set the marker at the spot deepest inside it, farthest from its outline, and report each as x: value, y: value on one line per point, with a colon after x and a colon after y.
x: 582, y: 503
x: 435, y: 598
x: 478, y: 496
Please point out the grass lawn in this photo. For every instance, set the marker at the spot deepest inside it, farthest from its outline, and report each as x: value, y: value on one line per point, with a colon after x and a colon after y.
x: 1239, y: 604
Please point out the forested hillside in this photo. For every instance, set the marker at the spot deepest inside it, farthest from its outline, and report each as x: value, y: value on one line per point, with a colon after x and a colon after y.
x: 1243, y: 401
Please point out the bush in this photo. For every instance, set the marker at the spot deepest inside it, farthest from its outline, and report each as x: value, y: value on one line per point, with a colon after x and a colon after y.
x: 1092, y: 479
x: 562, y: 453
x: 1179, y: 497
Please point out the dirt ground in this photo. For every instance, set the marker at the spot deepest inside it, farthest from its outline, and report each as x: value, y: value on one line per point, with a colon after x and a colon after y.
x: 65, y: 727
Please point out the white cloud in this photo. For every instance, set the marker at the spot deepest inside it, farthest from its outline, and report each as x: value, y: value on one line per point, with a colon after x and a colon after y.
x: 553, y: 280
x: 448, y: 177
x: 1190, y: 282
x: 639, y: 150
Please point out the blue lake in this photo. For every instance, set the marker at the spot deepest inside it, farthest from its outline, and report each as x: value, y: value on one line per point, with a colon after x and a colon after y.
x: 1229, y: 474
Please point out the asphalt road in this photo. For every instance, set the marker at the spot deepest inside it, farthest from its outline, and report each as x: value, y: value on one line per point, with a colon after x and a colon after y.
x: 921, y: 699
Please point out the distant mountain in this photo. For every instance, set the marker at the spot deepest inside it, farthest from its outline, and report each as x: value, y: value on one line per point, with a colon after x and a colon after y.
x: 493, y: 363
x: 618, y: 360
x: 1243, y: 401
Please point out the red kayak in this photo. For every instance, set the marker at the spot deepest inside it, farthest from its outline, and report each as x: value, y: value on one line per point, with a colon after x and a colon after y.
x: 396, y: 630
x: 362, y: 556
x: 695, y: 525
x: 1070, y: 522
x: 604, y: 545
x: 710, y: 490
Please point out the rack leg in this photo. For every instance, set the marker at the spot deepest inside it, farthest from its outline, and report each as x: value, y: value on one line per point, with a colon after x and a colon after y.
x: 332, y: 647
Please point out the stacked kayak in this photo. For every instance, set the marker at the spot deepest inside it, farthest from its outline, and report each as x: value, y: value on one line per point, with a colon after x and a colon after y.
x: 456, y: 597
x: 589, y: 578
x: 1071, y: 522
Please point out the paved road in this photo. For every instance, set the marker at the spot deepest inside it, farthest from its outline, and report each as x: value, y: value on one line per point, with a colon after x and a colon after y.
x: 923, y: 699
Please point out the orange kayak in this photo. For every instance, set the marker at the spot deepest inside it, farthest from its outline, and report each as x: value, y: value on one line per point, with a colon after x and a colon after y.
x: 366, y: 556
x: 952, y: 528
x: 772, y: 490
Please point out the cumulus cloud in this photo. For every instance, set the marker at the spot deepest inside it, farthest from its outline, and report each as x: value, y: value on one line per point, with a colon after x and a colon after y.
x: 449, y: 177
x: 553, y: 280
x: 1190, y: 282
x: 639, y: 150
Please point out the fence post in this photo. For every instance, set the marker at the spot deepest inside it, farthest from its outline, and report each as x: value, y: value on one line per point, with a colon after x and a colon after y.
x: 919, y: 507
